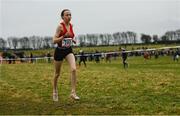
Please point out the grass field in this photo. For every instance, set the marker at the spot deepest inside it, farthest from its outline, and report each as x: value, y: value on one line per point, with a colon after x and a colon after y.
x: 106, y: 88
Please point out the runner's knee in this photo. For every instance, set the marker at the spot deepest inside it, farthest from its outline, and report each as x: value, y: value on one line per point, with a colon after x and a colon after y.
x: 73, y: 69
x: 57, y: 75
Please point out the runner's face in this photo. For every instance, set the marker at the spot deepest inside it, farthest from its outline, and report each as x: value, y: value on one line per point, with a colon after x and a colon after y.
x: 67, y: 16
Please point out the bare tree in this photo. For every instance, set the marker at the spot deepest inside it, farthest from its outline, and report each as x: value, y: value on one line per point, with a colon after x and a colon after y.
x: 101, y: 37
x: 134, y: 37
x: 3, y: 43
x: 13, y: 42
x: 24, y: 42
x: 39, y: 41
x: 169, y: 35
x: 117, y: 38
x: 146, y: 38
x: 107, y: 39
x: 47, y: 42
x: 90, y: 39
x: 155, y: 38
x: 36, y: 42
x: 164, y: 39
x: 178, y: 34
x: 95, y: 39
x: 125, y: 37
x: 32, y: 40
x: 131, y: 36
x: 82, y: 40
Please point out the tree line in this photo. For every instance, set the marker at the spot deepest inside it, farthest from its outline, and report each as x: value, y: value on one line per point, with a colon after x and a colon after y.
x: 168, y: 37
x: 118, y: 38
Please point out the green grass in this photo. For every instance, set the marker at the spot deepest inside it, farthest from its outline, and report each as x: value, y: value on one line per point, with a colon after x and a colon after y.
x: 151, y: 87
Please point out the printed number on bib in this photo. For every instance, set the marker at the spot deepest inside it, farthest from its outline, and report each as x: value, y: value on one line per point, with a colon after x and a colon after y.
x: 67, y: 42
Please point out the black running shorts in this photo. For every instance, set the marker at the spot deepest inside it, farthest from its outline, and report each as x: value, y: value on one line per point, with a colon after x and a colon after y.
x: 61, y: 53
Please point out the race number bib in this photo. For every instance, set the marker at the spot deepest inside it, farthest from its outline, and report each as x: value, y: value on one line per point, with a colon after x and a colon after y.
x: 66, y: 42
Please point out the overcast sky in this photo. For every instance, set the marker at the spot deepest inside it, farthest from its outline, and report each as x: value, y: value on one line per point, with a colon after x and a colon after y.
x: 41, y: 17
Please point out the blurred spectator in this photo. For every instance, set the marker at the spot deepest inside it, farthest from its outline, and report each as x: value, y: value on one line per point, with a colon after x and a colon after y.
x: 31, y: 58
x: 49, y: 57
x: 156, y: 54
x: 176, y: 55
x: 1, y: 59
x: 108, y: 57
x: 124, y: 58
x: 82, y: 58
x: 97, y: 55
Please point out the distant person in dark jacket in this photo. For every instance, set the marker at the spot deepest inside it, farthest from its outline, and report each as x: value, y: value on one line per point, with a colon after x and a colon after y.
x: 97, y: 56
x: 82, y: 58
x: 49, y: 57
x: 31, y: 58
x: 124, y: 58
x: 108, y: 57
x: 176, y: 56
x: 156, y: 54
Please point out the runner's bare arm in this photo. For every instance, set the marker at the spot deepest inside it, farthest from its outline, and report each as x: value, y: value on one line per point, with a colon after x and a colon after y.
x: 74, y: 41
x: 56, y: 38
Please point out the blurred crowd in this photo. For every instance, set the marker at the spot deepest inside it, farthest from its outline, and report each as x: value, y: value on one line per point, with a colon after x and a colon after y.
x: 97, y: 56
